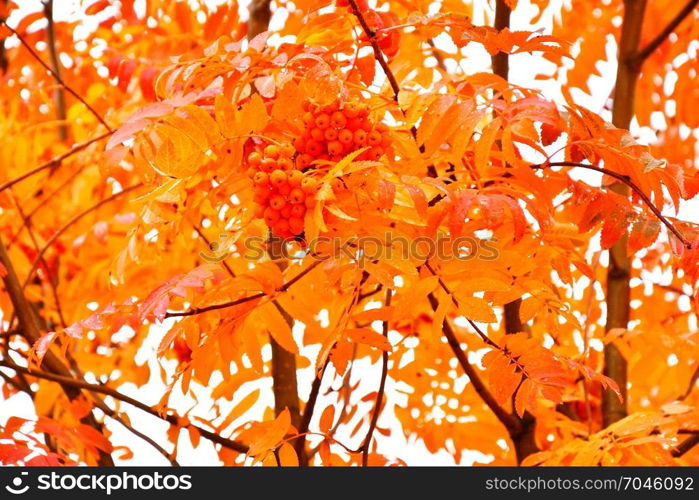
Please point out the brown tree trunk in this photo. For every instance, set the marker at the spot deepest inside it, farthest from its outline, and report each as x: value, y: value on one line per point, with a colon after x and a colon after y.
x: 59, y: 93
x: 618, y: 272
x: 524, y: 441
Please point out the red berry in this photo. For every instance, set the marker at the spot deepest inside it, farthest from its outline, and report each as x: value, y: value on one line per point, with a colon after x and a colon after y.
x: 271, y: 216
x: 296, y: 225
x: 277, y: 202
x: 298, y: 211
x: 254, y: 158
x: 345, y: 136
x: 261, y: 179
x: 277, y: 178
x: 322, y: 121
x: 359, y: 136
x: 335, y: 148
x: 374, y: 138
x: 295, y: 178
x: 338, y: 120
x: 297, y: 196
x: 314, y: 148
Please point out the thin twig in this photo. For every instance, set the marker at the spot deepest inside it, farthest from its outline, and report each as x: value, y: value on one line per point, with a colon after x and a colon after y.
x: 72, y: 221
x: 685, y: 446
x: 199, y: 310
x: 308, y: 415
x: 378, y: 53
x: 57, y: 77
x: 511, y: 424
x: 380, y: 394
x: 55, y: 161
x: 646, y: 51
x: 626, y: 180
x: 108, y: 391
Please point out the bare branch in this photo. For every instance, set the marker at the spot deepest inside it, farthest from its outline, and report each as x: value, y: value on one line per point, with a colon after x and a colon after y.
x: 653, y: 45
x: 55, y: 161
x: 57, y: 77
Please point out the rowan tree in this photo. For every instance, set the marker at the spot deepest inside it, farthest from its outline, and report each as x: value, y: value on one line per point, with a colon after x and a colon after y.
x: 320, y: 224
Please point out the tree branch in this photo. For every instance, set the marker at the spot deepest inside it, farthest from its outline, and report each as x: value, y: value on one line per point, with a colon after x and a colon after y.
x: 57, y: 77
x: 382, y: 388
x: 107, y: 391
x: 55, y: 161
x: 653, y: 45
x: 30, y: 327
x: 72, y: 221
x: 511, y: 424
x: 378, y: 53
x: 685, y: 446
x: 308, y: 416
x: 625, y: 179
x: 55, y: 65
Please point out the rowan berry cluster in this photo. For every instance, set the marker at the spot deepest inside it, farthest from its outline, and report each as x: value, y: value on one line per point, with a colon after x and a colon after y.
x: 282, y: 192
x: 333, y: 131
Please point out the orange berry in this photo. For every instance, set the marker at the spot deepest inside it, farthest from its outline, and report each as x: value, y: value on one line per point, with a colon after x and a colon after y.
x: 375, y: 153
x: 261, y: 178
x: 297, y: 196
x: 300, y: 144
x: 330, y: 134
x: 367, y: 125
x: 359, y: 136
x: 254, y: 158
x: 260, y: 211
x: 271, y: 151
x: 309, y: 185
x: 374, y: 138
x: 322, y: 120
x: 271, y: 216
x: 277, y: 178
x: 286, y: 211
x: 298, y: 211
x: 287, y: 151
x: 295, y: 178
x: 345, y: 136
x: 350, y: 110
x: 285, y: 163
x: 314, y: 148
x: 303, y: 161
x: 251, y: 172
x: 338, y: 120
x: 308, y: 119
x: 362, y: 110
x: 335, y: 148
x: 284, y: 189
x: 268, y: 164
x: 296, y: 225
x: 277, y: 202
x: 310, y: 202
x: 317, y: 135
x: 354, y: 124
x: 281, y: 228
